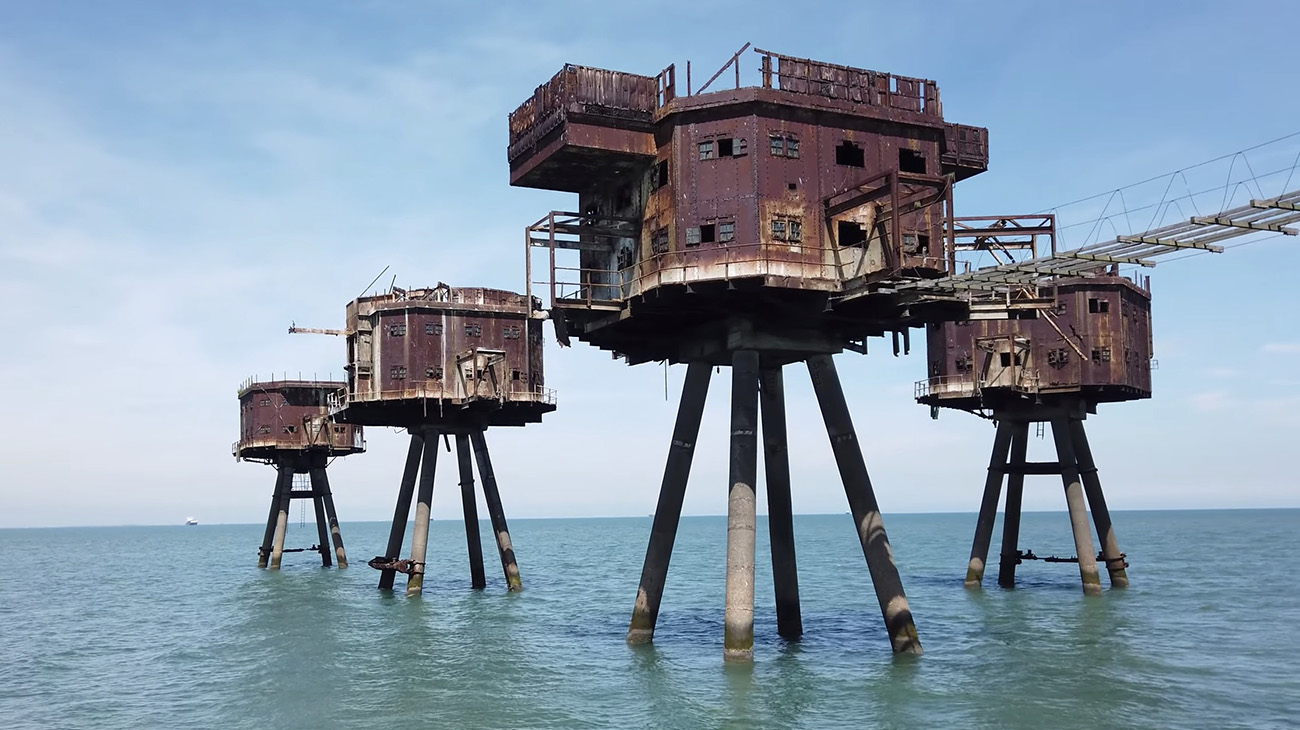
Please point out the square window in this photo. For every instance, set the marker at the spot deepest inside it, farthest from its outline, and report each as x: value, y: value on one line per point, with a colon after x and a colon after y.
x: 659, y: 241
x: 726, y: 147
x: 791, y: 147
x: 266, y: 401
x: 741, y: 147
x: 1098, y: 306
x: 514, y: 375
x: 692, y: 237
x: 473, y: 330
x: 794, y: 230
x: 397, y: 329
x: 778, y: 145
x: 659, y: 176
x: 727, y: 231
x: 708, y: 233
x: 778, y: 229
x: 433, y: 373
x: 911, y: 161
x: 432, y: 328
x: 706, y: 150
x: 850, y: 155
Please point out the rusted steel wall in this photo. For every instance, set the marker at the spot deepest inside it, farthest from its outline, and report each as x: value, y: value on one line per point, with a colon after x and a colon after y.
x: 1100, y: 345
x: 448, y: 344
x: 292, y: 416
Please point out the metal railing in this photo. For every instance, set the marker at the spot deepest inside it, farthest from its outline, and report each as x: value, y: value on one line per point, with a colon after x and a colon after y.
x: 966, y: 386
x: 341, y: 399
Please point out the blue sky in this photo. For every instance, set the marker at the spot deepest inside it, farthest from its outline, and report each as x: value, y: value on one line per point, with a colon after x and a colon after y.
x: 179, y: 181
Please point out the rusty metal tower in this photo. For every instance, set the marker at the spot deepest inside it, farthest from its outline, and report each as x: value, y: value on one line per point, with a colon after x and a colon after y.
x: 443, y: 361
x: 285, y: 423
x: 1081, y: 337
x: 753, y: 227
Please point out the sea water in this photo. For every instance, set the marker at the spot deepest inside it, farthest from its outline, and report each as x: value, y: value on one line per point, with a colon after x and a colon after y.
x: 174, y: 627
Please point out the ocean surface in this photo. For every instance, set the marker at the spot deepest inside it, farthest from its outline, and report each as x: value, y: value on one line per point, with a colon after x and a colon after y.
x: 175, y: 627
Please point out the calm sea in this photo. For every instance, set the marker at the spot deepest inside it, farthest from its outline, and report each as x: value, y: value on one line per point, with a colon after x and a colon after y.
x: 174, y: 627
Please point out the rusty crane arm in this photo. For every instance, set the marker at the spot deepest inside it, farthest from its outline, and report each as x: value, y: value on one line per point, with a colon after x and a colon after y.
x: 296, y: 330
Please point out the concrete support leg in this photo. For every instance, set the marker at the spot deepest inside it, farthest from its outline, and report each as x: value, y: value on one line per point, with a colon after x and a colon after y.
x: 979, y: 550
x: 1115, y: 564
x: 322, y: 529
x: 1011, y: 512
x: 472, y: 540
x: 403, y: 509
x: 863, y: 506
x: 738, y: 621
x: 423, y: 506
x: 282, y: 519
x: 283, y: 480
x: 780, y: 517
x: 1078, y: 510
x: 320, y: 482
x: 668, y: 512
x: 495, y: 513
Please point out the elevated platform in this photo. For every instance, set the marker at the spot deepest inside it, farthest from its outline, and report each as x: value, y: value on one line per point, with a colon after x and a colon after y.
x: 283, y: 418
x: 443, y: 356
x: 1093, y: 344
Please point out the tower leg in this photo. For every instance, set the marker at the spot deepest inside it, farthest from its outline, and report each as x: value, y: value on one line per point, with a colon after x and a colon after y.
x: 1011, y: 512
x: 862, y: 503
x: 979, y: 551
x: 403, y: 509
x: 282, y: 518
x: 472, y: 540
x: 1074, y: 501
x: 668, y: 512
x: 780, y: 517
x: 738, y: 621
x: 320, y: 482
x: 322, y: 529
x: 423, y: 505
x: 283, y: 480
x: 495, y: 513
x: 1097, y: 505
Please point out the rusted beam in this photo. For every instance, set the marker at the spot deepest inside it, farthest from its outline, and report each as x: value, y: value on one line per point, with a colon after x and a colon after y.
x: 979, y: 551
x: 321, y: 483
x: 1110, y: 553
x: 264, y: 552
x: 509, y: 565
x: 725, y: 66
x: 862, y: 504
x: 403, y: 509
x: 780, y: 512
x: 282, y: 518
x: 322, y: 529
x: 668, y: 512
x: 473, y: 542
x: 1078, y: 510
x: 738, y: 622
x: 1011, y: 511
x: 423, y: 507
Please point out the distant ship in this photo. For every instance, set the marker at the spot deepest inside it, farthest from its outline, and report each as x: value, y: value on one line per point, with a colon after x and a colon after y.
x: 191, y: 521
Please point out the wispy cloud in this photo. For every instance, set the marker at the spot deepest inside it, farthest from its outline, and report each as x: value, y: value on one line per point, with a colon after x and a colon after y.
x: 1281, y: 347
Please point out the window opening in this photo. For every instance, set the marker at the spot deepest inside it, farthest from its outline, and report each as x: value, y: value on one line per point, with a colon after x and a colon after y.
x: 706, y: 150
x: 726, y: 147
x: 659, y: 176
x: 432, y: 328
x: 850, y: 233
x: 397, y: 329
x: 692, y: 237
x: 778, y: 146
x: 911, y: 161
x: 473, y: 330
x: 1101, y: 354
x: 727, y: 231
x: 514, y: 375
x: 1098, y: 306
x: 659, y: 241
x: 778, y: 229
x: 708, y: 233
x: 397, y: 372
x: 850, y: 155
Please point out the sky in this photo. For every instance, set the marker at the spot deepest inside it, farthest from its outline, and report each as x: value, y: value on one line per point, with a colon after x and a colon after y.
x: 180, y: 181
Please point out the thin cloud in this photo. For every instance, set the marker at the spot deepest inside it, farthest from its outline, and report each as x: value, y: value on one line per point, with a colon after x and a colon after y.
x: 1281, y: 347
